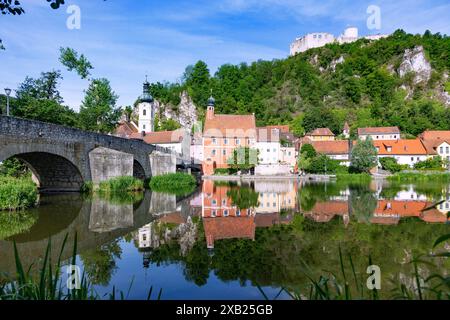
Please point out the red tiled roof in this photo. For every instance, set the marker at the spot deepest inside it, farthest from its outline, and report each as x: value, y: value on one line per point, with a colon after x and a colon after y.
x: 432, y: 145
x: 282, y: 128
x: 228, y: 228
x: 321, y: 132
x: 325, y: 211
x: 331, y: 147
x: 161, y: 137
x: 400, y: 147
x: 267, y: 219
x: 125, y: 129
x: 230, y: 125
x: 378, y: 130
x: 435, y: 135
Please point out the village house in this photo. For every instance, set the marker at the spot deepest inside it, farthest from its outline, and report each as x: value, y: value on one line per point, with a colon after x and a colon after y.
x: 379, y: 133
x: 337, y: 150
x: 437, y: 143
x: 273, y: 157
x: 320, y: 134
x: 222, y: 134
x: 406, y: 152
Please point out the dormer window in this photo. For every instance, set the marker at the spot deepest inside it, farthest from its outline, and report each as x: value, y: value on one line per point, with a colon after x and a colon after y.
x: 389, y: 149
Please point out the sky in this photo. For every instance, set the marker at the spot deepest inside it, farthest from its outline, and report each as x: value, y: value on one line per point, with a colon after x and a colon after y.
x: 126, y: 40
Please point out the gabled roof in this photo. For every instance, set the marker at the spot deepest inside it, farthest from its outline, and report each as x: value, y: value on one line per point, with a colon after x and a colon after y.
x: 320, y: 132
x: 378, y: 130
x: 228, y: 228
x: 125, y: 129
x: 161, y: 137
x: 331, y: 147
x: 230, y: 125
x: 400, y: 147
x: 435, y: 135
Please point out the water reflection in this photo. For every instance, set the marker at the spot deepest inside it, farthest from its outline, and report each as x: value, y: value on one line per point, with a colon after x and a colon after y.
x: 255, y: 232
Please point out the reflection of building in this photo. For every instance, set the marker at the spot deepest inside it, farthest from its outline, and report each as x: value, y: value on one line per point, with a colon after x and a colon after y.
x: 325, y: 211
x: 391, y: 211
x: 218, y: 228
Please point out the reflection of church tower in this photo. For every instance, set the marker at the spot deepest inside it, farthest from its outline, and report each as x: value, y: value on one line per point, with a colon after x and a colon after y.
x: 146, y: 112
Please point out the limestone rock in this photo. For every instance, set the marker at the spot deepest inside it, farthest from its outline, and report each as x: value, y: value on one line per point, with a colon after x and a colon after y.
x: 414, y: 60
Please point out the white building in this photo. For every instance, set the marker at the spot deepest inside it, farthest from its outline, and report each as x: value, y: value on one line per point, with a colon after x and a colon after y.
x: 146, y: 110
x: 273, y: 158
x: 311, y: 40
x: 320, y: 39
x: 406, y: 152
x: 379, y: 133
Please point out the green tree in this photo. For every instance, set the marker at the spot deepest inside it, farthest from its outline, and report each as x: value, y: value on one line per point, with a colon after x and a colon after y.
x: 363, y: 156
x: 69, y: 58
x: 43, y: 88
x: 198, y: 83
x: 98, y: 110
x: 308, y: 150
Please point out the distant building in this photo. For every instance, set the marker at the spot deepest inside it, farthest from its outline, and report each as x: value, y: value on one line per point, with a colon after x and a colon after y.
x: 379, y: 133
x: 146, y: 110
x: 126, y: 129
x: 346, y: 131
x: 337, y: 150
x: 437, y: 143
x: 406, y: 152
x: 320, y: 134
x: 320, y: 39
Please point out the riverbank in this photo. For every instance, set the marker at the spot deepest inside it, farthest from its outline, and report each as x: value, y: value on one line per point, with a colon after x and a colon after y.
x: 17, y: 194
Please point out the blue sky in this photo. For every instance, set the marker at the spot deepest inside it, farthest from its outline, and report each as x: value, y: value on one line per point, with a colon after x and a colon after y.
x: 160, y: 38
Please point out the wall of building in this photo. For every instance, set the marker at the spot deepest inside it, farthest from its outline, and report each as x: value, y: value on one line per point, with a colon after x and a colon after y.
x: 384, y: 136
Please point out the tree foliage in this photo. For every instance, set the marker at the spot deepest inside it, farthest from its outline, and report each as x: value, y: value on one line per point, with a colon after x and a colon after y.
x: 70, y: 59
x: 363, y: 156
x: 98, y: 111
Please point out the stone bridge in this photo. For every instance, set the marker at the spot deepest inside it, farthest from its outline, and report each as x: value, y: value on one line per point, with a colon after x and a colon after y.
x: 63, y: 158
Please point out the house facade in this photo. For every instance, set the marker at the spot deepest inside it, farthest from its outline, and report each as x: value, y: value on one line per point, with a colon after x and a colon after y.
x: 320, y: 134
x: 337, y: 150
x: 379, y: 133
x: 222, y: 134
x: 406, y: 152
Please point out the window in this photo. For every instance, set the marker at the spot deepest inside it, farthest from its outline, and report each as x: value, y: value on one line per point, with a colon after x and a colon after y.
x: 289, y: 153
x: 377, y: 137
x: 224, y: 152
x: 214, y: 202
x: 274, y: 150
x: 268, y: 204
x: 441, y: 149
x: 225, y: 141
x: 238, y: 213
x: 144, y: 237
x: 224, y: 202
x: 213, y: 152
x: 412, y: 159
x: 274, y: 204
x: 225, y: 213
x: 213, y: 213
x: 237, y: 141
x: 144, y: 112
x: 389, y: 149
x: 268, y: 150
x: 143, y: 126
x: 446, y: 149
x: 214, y: 140
x: 418, y: 159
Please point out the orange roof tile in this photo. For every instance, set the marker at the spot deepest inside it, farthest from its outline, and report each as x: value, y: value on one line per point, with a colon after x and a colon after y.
x: 320, y: 132
x: 397, y: 208
x: 267, y: 219
x: 331, y: 147
x: 160, y: 137
x: 228, y: 228
x: 400, y: 147
x: 230, y: 125
x: 125, y: 129
x: 378, y: 130
x: 435, y: 135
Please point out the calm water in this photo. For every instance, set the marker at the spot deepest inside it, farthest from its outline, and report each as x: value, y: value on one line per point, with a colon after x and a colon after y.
x: 226, y: 239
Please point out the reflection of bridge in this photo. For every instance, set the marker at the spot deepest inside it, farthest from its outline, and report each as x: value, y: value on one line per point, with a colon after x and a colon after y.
x: 96, y: 222
x: 62, y: 158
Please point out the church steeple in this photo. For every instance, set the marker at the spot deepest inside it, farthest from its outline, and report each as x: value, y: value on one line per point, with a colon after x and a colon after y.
x: 210, y: 107
x: 146, y: 96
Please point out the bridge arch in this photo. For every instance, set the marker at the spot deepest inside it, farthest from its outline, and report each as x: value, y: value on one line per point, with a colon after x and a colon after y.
x: 138, y: 170
x: 54, y: 171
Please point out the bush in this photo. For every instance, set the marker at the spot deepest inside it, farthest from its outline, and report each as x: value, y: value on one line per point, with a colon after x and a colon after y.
x: 122, y: 184
x: 323, y: 164
x: 17, y: 194
x: 221, y: 171
x: 177, y: 183
x: 390, y: 164
x: 415, y: 177
x: 434, y: 163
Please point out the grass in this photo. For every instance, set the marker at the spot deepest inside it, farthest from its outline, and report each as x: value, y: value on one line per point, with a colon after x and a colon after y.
x: 17, y: 194
x: 177, y: 183
x: 122, y: 184
x: 12, y: 223
x: 419, y: 177
x: 48, y: 283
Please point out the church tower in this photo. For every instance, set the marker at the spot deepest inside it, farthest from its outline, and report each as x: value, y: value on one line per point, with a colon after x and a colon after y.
x: 146, y: 112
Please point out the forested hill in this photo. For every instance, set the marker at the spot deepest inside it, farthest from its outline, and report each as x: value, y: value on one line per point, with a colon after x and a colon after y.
x: 401, y: 80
